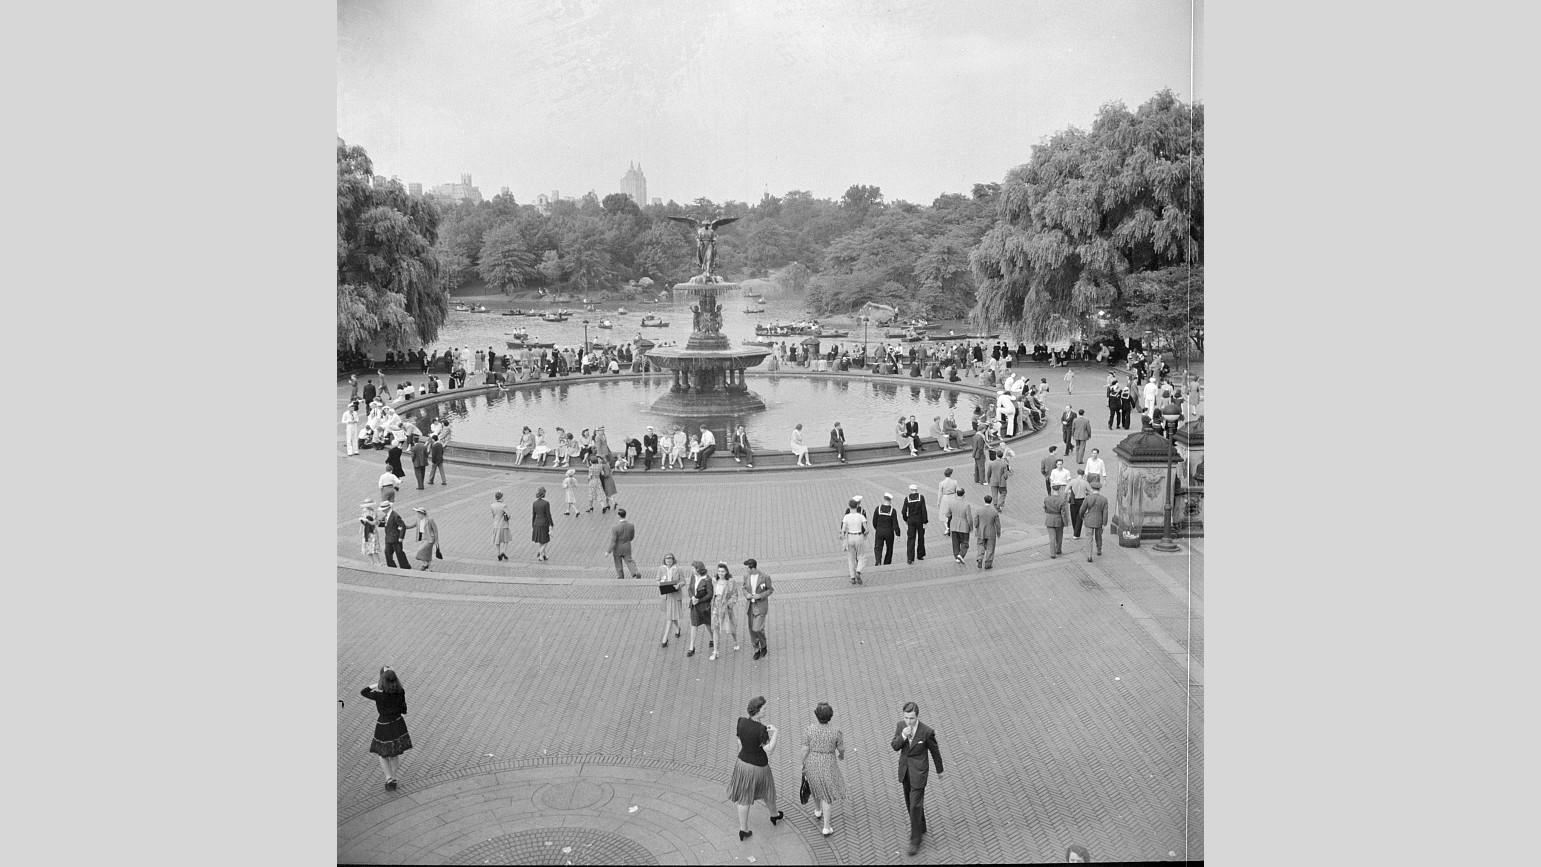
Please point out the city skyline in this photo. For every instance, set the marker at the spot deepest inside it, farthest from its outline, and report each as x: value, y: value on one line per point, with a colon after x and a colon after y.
x: 734, y: 100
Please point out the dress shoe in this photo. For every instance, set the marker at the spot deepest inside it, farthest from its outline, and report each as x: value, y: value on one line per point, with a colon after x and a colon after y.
x: 914, y: 847
x: 690, y: 652
x: 744, y: 835
x: 777, y: 818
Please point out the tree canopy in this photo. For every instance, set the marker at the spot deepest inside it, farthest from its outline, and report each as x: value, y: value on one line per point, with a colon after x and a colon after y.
x: 1088, y: 212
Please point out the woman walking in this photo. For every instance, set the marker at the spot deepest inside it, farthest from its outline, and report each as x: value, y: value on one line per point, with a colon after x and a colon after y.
x: 596, y: 489
x: 369, y: 523
x: 823, y: 748
x: 700, y: 604
x: 502, y: 532
x: 724, y: 594
x: 391, y: 738
x: 798, y: 448
x: 752, y: 780
x: 670, y: 579
x: 570, y: 493
x: 607, y: 484
x: 540, y: 523
x: 428, y: 535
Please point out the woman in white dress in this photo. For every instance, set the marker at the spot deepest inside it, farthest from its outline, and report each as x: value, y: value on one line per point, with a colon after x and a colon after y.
x: 677, y: 450
x: 538, y: 447
x: 798, y: 448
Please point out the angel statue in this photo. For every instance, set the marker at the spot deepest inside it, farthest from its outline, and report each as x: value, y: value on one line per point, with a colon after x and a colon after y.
x: 706, y: 240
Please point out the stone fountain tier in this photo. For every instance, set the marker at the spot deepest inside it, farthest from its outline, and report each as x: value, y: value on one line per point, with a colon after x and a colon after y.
x: 708, y: 370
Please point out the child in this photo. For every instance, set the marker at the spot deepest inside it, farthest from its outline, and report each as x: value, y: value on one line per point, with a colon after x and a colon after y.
x: 570, y: 492
x: 695, y: 447
x: 1069, y: 380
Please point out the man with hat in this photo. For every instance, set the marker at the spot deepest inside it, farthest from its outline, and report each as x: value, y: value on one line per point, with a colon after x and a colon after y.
x: 853, y: 537
x: 913, y: 512
x: 395, y: 533
x: 757, y: 589
x: 350, y: 420
x: 389, y: 485
x: 958, y: 515
x: 1056, y: 514
x: 885, y: 526
x: 649, y: 448
x: 1094, y: 516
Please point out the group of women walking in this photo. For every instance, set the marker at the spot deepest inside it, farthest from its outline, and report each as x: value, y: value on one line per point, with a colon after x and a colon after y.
x: 712, y: 599
x: 752, y: 780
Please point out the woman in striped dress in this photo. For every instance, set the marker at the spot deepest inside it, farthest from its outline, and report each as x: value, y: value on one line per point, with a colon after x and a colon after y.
x: 752, y: 780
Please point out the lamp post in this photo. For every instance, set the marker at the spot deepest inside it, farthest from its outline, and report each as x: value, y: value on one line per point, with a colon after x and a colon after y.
x: 1171, y: 414
x: 583, y: 362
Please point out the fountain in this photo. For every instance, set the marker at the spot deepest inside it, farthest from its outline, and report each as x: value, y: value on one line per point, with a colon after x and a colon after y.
x: 708, y: 371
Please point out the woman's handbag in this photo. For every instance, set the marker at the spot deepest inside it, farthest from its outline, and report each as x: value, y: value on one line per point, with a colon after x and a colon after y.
x: 438, y: 552
x: 803, y: 791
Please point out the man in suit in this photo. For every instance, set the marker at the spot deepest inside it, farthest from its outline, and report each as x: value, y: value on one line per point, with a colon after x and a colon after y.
x: 1066, y: 421
x: 837, y: 441
x: 740, y: 447
x: 757, y: 589
x: 998, y: 471
x: 917, y: 746
x: 620, y: 544
x: 1047, y: 465
x: 395, y: 535
x: 419, y: 460
x: 885, y: 524
x: 958, y: 515
x: 987, y: 528
x: 912, y: 429
x: 436, y: 460
x: 1078, y: 490
x: 369, y: 391
x: 1094, y: 516
x: 913, y: 512
x: 1081, y: 431
x: 1115, y: 403
x: 981, y: 452
x: 649, y: 448
x: 1056, y: 514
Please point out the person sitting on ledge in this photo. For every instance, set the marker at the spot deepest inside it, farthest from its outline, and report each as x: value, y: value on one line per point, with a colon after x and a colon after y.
x: 902, y: 438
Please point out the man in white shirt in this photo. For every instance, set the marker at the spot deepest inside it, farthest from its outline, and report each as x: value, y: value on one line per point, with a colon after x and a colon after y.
x: 1149, y: 395
x: 389, y: 485
x: 853, y: 537
x: 1096, y: 470
x: 708, y: 445
x: 1006, y: 412
x: 350, y: 429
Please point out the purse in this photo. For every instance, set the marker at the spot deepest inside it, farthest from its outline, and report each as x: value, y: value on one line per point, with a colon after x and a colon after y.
x: 438, y: 552
x: 803, y: 792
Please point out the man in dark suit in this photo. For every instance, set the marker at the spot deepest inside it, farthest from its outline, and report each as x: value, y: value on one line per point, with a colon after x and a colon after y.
x: 757, y: 589
x: 419, y: 460
x: 996, y: 473
x: 649, y: 448
x: 913, y: 513
x: 1094, y: 516
x: 912, y: 429
x: 837, y: 441
x: 1048, y: 464
x: 1066, y: 423
x: 1056, y: 514
x: 369, y: 391
x: 395, y: 535
x: 958, y: 515
x: 436, y: 461
x: 981, y: 452
x: 916, y: 745
x: 741, y: 449
x: 620, y: 545
x: 1081, y: 432
x: 885, y: 523
x: 987, y: 529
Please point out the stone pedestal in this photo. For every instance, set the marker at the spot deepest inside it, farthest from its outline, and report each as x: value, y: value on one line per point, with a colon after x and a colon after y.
x: 1139, y: 495
x: 1189, y: 512
x: 708, y: 371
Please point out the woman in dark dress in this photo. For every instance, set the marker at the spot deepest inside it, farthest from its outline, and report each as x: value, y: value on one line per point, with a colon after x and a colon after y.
x: 393, y: 460
x: 540, y: 523
x: 752, y: 780
x: 391, y: 738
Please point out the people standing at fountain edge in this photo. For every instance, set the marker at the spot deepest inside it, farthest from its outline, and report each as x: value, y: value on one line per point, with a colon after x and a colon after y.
x: 837, y: 441
x: 997, y: 473
x: 823, y: 749
x: 649, y: 448
x: 1094, y: 516
x: 540, y: 523
x: 958, y: 515
x: 502, y: 530
x: 350, y: 422
x: 1078, y: 489
x: 391, y: 738
x: 436, y: 460
x: 1006, y: 412
x: 700, y: 605
x: 1096, y: 470
x: 916, y: 745
x: 945, y: 489
x: 395, y: 534
x: 708, y: 445
x: 987, y: 529
x: 752, y: 780
x: 741, y: 447
x: 1056, y: 515
x: 885, y: 526
x: 914, y: 514
x: 757, y: 589
x: 724, y: 619
x: 853, y: 538
x: 390, y: 483
x: 671, y: 578
x: 981, y: 450
x: 428, y: 537
x: 621, y: 536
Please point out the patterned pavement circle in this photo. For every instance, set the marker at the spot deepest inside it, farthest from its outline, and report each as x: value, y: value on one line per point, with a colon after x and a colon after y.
x: 557, y: 846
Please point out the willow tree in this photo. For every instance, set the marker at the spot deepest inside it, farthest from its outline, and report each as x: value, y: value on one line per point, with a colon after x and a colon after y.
x: 1089, y: 210
x: 388, y: 286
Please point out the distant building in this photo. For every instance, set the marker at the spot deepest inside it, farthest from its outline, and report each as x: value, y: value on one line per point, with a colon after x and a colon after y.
x: 506, y: 192
x: 461, y: 192
x: 415, y: 189
x: 379, y: 181
x: 655, y: 200
x: 634, y: 184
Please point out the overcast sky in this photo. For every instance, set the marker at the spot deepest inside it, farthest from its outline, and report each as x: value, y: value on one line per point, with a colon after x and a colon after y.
x: 730, y: 99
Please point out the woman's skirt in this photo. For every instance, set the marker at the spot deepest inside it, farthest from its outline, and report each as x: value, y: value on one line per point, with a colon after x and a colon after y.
x: 502, y: 535
x: 540, y: 534
x: 799, y: 449
x: 424, y: 552
x: 672, y: 603
x: 391, y: 738
x: 701, y: 614
x: 751, y: 783
x: 371, y: 544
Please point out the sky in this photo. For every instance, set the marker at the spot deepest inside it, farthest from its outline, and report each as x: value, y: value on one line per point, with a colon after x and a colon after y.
x: 732, y: 99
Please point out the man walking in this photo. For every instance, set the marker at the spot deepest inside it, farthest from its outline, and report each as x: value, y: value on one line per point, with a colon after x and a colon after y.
x: 914, y: 514
x: 987, y: 528
x: 1078, y: 490
x: 757, y: 589
x: 1081, y: 431
x: 1056, y: 513
x: 981, y: 452
x: 916, y: 745
x: 436, y: 460
x: 369, y: 391
x: 395, y: 534
x: 1115, y: 402
x: 1096, y: 470
x: 708, y: 445
x: 837, y: 441
x: 958, y: 515
x: 885, y: 525
x: 649, y: 448
x: 1066, y: 422
x: 1047, y: 465
x: 419, y: 459
x: 620, y: 544
x: 1094, y: 516
x: 389, y: 485
x: 853, y: 538
x: 998, y: 471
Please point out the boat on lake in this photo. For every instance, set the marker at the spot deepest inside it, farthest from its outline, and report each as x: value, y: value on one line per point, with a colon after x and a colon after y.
x: 555, y: 317
x: 652, y: 321
x: 605, y: 323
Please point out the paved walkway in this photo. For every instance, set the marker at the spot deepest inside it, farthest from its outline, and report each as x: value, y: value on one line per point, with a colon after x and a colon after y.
x: 551, y: 727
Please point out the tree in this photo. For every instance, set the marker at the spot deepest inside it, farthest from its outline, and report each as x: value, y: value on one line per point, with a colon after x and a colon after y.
x: 1089, y: 210
x: 1168, y: 304
x: 621, y: 203
x: 506, y: 262
x: 794, y: 277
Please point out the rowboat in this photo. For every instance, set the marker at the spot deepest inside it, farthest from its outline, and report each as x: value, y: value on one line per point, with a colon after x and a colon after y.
x: 605, y: 323
x: 652, y: 321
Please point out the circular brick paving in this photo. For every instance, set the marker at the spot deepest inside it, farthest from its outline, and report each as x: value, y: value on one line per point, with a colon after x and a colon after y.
x: 580, y: 795
x: 557, y: 846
